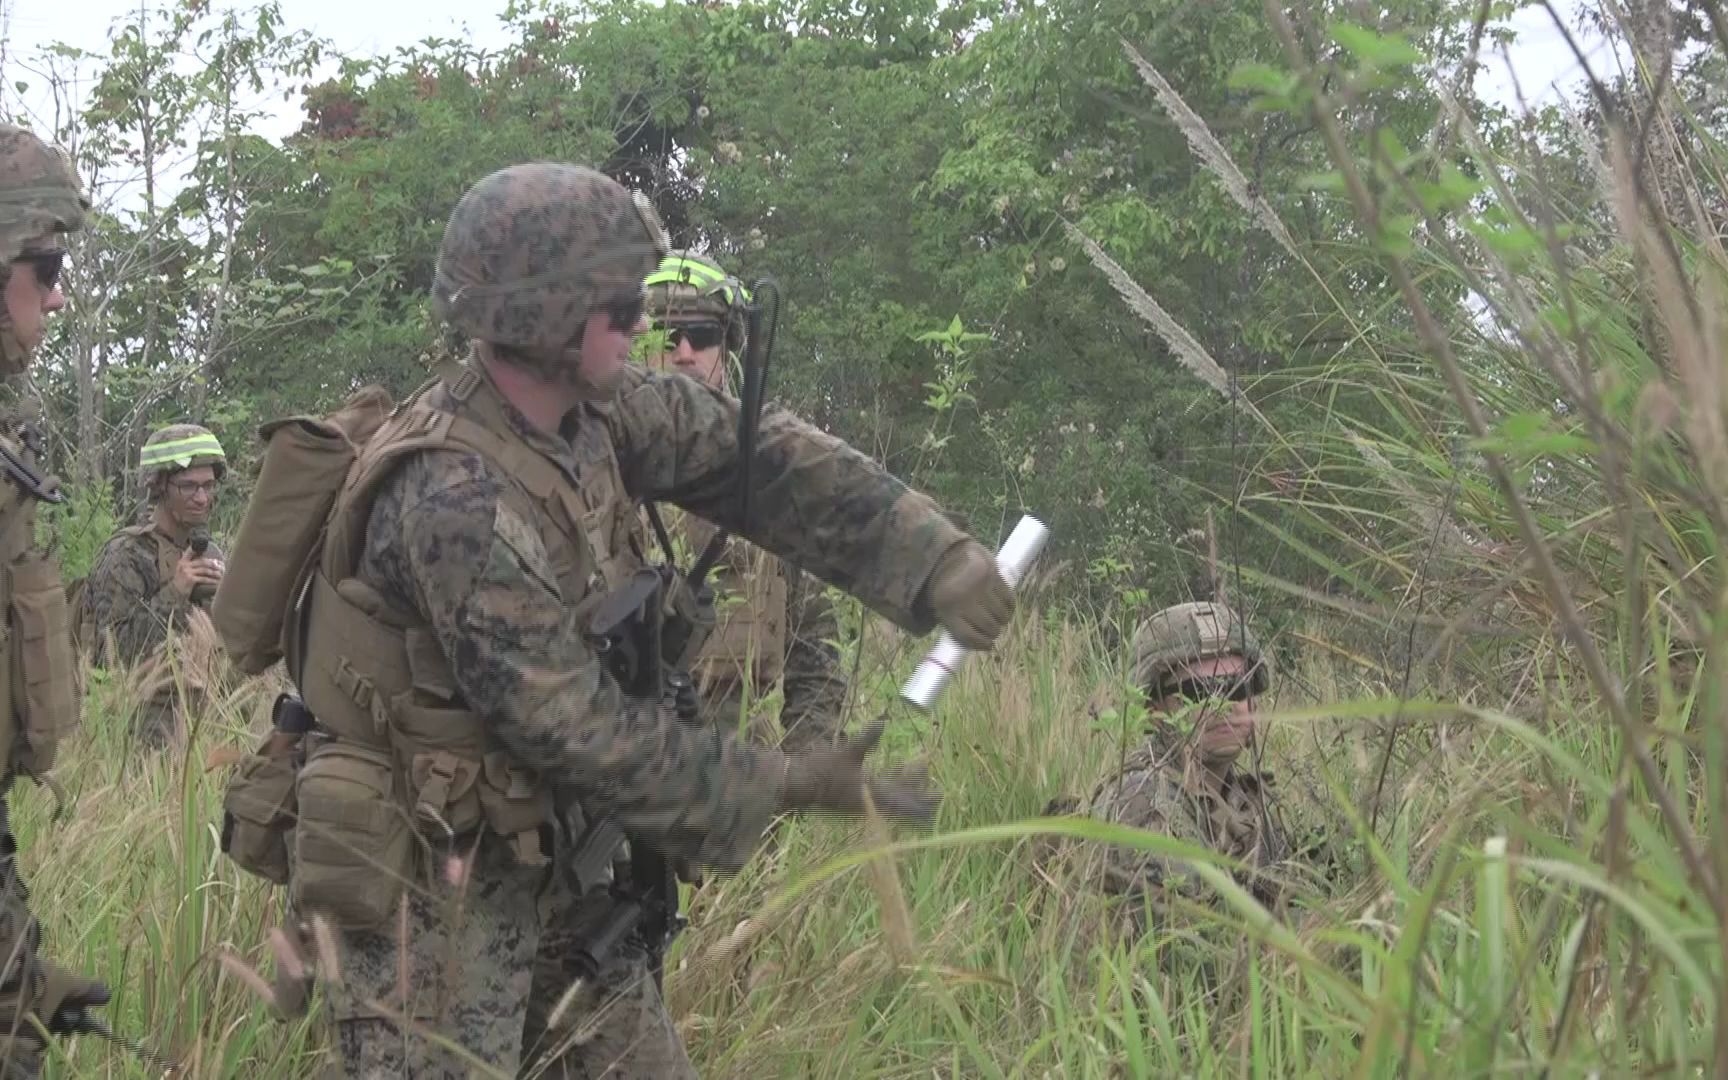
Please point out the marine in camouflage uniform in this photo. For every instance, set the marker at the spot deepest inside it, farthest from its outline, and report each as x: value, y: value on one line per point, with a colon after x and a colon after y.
x: 774, y: 623
x: 1201, y: 669
x: 40, y: 203
x: 147, y: 581
x: 463, y: 559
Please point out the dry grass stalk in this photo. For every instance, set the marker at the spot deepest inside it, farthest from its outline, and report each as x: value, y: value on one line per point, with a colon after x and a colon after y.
x: 1188, y: 352
x: 884, y: 877
x: 1211, y: 152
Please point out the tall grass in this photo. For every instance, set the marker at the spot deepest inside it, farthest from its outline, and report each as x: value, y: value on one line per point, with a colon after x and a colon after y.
x: 1495, y: 730
x: 1481, y: 930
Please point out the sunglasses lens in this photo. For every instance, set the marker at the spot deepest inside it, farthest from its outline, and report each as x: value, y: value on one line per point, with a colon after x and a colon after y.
x: 46, y: 266
x: 625, y: 313
x: 1219, y: 689
x: 701, y: 336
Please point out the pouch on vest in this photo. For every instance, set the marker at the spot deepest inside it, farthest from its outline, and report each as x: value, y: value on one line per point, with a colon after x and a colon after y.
x: 258, y: 805
x: 454, y: 783
x: 353, y: 846
x: 44, y: 679
x: 258, y: 812
x: 306, y: 460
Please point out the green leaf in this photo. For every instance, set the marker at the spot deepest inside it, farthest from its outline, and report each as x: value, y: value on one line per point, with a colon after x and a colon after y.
x: 1322, y: 181
x: 1394, y: 234
x: 1374, y: 49
x: 1262, y: 78
x: 1512, y: 241
x: 1532, y: 434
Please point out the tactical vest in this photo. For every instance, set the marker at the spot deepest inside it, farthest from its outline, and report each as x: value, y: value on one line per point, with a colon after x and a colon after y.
x: 167, y: 554
x: 375, y: 676
x: 38, y: 667
x: 749, y: 635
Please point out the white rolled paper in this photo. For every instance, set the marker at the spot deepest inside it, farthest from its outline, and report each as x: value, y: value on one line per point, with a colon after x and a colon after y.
x: 1016, y: 554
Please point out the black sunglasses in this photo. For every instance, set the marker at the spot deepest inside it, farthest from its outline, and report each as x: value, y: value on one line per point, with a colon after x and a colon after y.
x: 699, y: 335
x: 624, y: 311
x: 1210, y: 688
x: 47, y: 266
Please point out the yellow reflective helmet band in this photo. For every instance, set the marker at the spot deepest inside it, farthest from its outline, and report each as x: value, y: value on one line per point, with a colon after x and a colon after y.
x: 700, y: 275
x: 180, y: 452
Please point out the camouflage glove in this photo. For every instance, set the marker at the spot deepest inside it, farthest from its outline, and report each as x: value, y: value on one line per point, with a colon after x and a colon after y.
x: 833, y: 779
x: 65, y: 998
x: 56, y: 997
x: 968, y: 597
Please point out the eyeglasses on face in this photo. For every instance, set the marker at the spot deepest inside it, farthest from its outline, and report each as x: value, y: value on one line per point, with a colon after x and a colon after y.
x: 189, y: 488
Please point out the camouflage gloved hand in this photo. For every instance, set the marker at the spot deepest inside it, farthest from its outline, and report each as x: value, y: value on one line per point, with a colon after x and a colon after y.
x: 833, y: 779
x: 968, y: 597
x: 64, y: 1000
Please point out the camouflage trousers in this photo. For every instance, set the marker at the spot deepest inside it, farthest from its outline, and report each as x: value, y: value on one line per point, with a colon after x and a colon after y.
x: 167, y: 693
x: 20, y: 1050
x: 20, y: 1059
x: 488, y: 978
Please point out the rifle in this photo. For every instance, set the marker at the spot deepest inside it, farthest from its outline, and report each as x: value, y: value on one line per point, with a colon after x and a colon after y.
x: 648, y: 633
x: 34, y: 483
x: 78, y: 1021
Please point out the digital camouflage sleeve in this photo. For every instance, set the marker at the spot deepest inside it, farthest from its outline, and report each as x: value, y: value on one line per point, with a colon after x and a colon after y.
x: 818, y: 503
x: 444, y: 542
x: 126, y: 598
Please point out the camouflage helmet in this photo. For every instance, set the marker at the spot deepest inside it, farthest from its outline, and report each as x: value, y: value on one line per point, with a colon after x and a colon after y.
x: 688, y: 287
x: 1180, y: 635
x: 532, y: 250
x: 40, y: 200
x: 177, y: 447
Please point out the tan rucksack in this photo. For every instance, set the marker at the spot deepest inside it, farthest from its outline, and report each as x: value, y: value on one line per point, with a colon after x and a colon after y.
x: 306, y: 460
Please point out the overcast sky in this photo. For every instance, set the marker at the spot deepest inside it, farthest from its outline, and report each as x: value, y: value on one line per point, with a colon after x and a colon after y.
x: 1544, y: 65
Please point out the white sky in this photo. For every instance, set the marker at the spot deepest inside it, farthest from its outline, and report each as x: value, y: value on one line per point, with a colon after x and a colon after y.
x: 374, y: 27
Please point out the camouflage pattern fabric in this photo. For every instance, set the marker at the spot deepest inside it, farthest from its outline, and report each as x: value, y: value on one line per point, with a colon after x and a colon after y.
x: 20, y: 1059
x: 443, y: 542
x: 126, y: 597
x: 474, y: 953
x: 180, y: 446
x: 529, y: 280
x: 20, y: 944
x: 1177, y: 636
x: 40, y: 198
x: 40, y: 202
x: 687, y: 287
x: 127, y: 603
x: 1228, y: 814
x: 813, y: 684
x: 615, y: 1023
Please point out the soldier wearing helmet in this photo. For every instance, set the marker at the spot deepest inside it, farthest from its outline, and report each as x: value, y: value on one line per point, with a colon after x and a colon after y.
x: 1201, y: 672
x: 774, y: 623
x: 40, y: 205
x: 151, y: 577
x: 476, y: 772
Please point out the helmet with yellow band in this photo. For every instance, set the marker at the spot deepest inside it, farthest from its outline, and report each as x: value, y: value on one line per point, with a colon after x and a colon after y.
x: 176, y: 448
x: 688, y: 288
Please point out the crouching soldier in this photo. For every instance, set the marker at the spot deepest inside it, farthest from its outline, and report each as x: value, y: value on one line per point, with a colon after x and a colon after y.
x: 1201, y: 673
